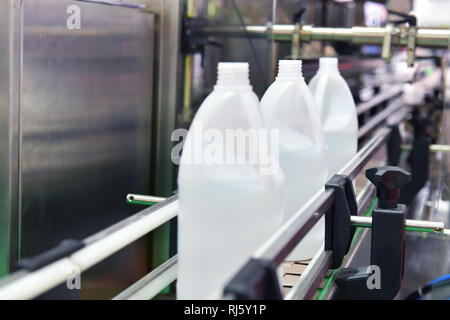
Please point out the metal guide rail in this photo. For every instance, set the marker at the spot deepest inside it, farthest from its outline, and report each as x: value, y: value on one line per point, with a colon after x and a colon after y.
x: 389, y: 36
x: 286, y: 238
x: 49, y: 269
x: 278, y: 247
x: 54, y: 267
x: 425, y: 37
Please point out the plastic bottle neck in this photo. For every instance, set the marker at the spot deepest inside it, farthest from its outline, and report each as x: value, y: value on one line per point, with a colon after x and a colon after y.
x: 328, y: 65
x: 233, y: 75
x: 290, y: 70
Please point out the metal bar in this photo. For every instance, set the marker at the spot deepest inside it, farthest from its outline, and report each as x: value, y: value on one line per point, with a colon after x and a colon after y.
x: 408, y: 223
x: 143, y: 199
x: 287, y: 237
x: 31, y: 285
x: 10, y: 74
x: 165, y: 114
x: 170, y: 203
x: 150, y: 285
x: 366, y: 106
x: 98, y: 247
x: 359, y: 35
x: 111, y: 242
x: 379, y: 118
x: 116, y: 3
x: 421, y: 224
x: 310, y: 280
x: 433, y: 147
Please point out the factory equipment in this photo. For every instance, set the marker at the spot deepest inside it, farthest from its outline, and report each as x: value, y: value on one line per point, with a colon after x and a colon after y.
x: 43, y: 68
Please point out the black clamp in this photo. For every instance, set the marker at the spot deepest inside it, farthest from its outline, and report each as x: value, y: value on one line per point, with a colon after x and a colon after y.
x: 257, y: 280
x: 382, y: 279
x: 338, y: 229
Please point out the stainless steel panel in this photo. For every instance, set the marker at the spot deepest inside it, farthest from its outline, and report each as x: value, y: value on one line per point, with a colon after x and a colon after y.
x: 85, y: 128
x: 9, y: 125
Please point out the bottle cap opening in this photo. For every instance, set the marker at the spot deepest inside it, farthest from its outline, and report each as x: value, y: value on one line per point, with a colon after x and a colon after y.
x: 233, y: 74
x: 328, y: 63
x: 290, y: 69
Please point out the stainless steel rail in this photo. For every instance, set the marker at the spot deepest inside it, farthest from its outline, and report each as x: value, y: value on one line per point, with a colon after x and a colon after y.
x: 420, y: 224
x: 150, y: 285
x: 310, y: 280
x: 143, y: 199
x: 379, y: 98
x: 393, y: 107
x: 27, y: 285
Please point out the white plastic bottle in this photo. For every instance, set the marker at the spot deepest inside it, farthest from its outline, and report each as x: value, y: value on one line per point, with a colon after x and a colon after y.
x: 289, y: 106
x: 228, y: 208
x: 338, y: 113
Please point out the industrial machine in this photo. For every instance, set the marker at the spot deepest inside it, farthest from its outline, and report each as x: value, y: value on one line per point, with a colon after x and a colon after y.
x: 92, y: 90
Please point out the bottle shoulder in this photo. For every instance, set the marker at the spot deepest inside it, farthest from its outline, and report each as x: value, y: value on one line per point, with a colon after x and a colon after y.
x: 228, y: 108
x: 290, y: 92
x: 332, y: 87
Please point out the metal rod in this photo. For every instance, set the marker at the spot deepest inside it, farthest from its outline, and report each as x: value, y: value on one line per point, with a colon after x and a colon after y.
x: 31, y: 285
x: 359, y: 35
x: 287, y: 237
x: 150, y: 285
x: 143, y: 199
x: 310, y: 279
x: 379, y: 118
x: 98, y: 247
x: 415, y: 224
x: 379, y: 98
x: 433, y: 147
x: 116, y: 3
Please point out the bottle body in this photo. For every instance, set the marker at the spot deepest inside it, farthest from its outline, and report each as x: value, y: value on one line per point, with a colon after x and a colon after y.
x: 289, y: 107
x: 338, y: 114
x: 227, y: 208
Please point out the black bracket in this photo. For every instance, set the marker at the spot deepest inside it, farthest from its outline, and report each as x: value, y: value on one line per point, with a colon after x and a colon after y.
x: 338, y: 229
x: 394, y: 146
x: 407, y: 18
x: 386, y: 260
x: 257, y: 280
x: 419, y: 159
x: 193, y: 39
x: 383, y: 278
x: 64, y: 249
